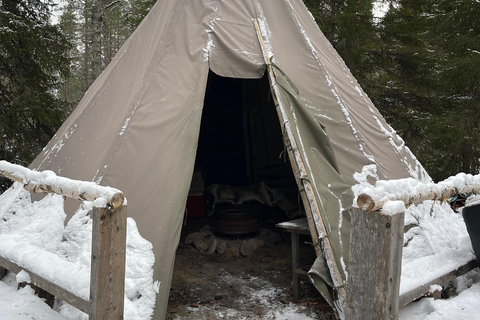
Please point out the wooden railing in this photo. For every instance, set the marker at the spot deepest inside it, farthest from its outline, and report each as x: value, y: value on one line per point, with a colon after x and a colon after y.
x: 107, y: 275
x: 376, y: 247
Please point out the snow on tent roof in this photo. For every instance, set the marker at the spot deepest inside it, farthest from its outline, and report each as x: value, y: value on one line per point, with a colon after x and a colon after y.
x: 137, y: 127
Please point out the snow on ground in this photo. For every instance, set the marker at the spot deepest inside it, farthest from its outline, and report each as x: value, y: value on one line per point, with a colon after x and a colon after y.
x: 465, y: 306
x: 256, y: 293
x: 436, y: 243
x: 33, y: 235
x: 23, y: 304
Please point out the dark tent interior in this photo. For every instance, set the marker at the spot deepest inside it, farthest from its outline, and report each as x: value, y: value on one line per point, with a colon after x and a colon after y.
x: 240, y: 137
x: 242, y: 187
x: 241, y: 144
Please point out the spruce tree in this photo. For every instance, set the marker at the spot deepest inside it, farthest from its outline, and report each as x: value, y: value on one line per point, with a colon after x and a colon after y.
x: 427, y: 81
x: 348, y: 25
x: 32, y: 59
x: 456, y: 37
x: 404, y: 81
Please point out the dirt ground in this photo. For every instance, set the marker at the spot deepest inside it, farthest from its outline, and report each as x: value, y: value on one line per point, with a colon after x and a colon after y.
x: 214, y: 286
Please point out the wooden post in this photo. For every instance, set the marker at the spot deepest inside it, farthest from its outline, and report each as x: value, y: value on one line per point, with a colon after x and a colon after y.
x: 295, y: 264
x: 107, y: 282
x: 373, y: 284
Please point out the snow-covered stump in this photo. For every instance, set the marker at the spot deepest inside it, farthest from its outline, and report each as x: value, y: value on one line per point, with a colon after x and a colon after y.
x: 109, y: 232
x: 376, y: 246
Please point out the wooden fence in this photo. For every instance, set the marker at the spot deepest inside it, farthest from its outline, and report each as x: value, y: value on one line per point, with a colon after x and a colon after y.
x: 107, y: 275
x: 376, y: 254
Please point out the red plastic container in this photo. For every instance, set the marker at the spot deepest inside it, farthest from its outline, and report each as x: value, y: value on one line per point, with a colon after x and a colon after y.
x: 195, y: 207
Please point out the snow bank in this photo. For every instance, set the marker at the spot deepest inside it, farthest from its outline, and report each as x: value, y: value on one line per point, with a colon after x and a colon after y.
x: 13, y: 300
x: 33, y: 234
x: 463, y: 306
x: 436, y: 243
x: 436, y: 240
x: 472, y: 200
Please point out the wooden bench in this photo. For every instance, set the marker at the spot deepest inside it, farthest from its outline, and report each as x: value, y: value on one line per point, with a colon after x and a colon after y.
x: 295, y: 228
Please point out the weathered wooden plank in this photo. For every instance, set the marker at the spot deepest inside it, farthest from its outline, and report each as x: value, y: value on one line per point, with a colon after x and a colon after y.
x: 295, y: 264
x: 376, y: 247
x: 297, y: 226
x: 48, y: 286
x: 443, y: 280
x: 107, y: 284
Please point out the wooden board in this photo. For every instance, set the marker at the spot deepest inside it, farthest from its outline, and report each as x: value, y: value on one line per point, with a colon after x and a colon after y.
x: 295, y: 226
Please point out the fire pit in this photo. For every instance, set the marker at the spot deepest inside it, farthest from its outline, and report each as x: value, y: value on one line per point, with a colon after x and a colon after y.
x: 235, y: 220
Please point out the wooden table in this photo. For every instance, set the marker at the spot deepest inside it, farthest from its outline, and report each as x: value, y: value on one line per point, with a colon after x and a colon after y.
x: 296, y: 227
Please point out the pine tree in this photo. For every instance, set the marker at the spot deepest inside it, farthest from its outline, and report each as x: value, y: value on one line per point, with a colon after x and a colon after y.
x: 32, y: 59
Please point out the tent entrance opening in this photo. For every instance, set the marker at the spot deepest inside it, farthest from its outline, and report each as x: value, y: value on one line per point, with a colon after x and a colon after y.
x: 241, y: 157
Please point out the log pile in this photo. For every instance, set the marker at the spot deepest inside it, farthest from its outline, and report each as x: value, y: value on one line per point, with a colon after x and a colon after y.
x: 206, y: 241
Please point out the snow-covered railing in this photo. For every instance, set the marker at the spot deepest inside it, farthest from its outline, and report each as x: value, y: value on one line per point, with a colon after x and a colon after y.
x: 410, y: 191
x: 107, y: 277
x: 376, y: 244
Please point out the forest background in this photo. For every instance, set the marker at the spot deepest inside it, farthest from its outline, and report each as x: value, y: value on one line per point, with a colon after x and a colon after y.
x: 419, y: 63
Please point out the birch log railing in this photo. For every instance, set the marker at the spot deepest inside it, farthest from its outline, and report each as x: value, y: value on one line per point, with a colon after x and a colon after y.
x: 376, y: 246
x: 107, y: 274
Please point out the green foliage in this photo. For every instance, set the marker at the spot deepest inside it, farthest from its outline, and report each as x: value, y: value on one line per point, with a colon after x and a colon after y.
x: 404, y: 82
x: 98, y: 28
x: 33, y: 57
x: 135, y: 11
x: 456, y: 37
x: 348, y: 24
x: 419, y: 65
x: 428, y: 81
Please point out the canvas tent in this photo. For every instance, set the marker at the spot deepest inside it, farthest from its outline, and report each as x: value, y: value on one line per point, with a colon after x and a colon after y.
x: 138, y: 126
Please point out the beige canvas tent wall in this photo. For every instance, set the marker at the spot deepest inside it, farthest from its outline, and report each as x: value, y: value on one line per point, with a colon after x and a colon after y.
x: 137, y: 127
